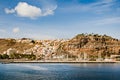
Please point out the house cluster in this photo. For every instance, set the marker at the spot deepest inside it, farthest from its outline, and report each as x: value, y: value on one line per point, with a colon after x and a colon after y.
x: 41, y: 47
x: 48, y: 49
x: 10, y: 51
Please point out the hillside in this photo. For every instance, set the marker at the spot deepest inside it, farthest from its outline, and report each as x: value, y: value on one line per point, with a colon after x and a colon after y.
x: 92, y: 45
x: 82, y: 46
x: 12, y: 43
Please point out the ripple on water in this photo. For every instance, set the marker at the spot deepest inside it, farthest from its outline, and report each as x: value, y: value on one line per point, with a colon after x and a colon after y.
x: 59, y: 71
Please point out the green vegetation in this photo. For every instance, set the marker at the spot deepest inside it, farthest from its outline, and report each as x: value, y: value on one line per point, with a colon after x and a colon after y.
x: 4, y: 56
x: 28, y: 56
x: 18, y: 56
x: 0, y: 56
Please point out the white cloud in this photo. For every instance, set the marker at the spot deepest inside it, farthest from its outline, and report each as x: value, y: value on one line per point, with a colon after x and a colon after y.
x: 16, y: 30
x: 108, y: 21
x: 49, y: 11
x: 2, y: 30
x: 105, y: 21
x: 8, y: 11
x: 48, y: 6
x: 101, y: 22
x: 23, y: 9
x: 100, y: 6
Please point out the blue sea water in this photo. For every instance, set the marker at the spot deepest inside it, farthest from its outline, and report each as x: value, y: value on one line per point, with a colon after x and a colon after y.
x: 60, y: 71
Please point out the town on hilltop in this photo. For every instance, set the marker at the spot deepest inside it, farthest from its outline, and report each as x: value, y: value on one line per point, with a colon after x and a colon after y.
x: 83, y: 47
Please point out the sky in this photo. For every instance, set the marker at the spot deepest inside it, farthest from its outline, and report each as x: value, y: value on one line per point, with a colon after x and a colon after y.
x: 58, y: 19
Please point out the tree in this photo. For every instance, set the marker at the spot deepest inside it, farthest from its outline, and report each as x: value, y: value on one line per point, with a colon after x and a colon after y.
x: 0, y: 56
x: 33, y: 41
x: 12, y: 56
x: 15, y: 56
x: 5, y: 56
x: 27, y: 56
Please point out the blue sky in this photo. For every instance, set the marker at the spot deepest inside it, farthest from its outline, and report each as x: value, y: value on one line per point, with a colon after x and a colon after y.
x: 58, y: 19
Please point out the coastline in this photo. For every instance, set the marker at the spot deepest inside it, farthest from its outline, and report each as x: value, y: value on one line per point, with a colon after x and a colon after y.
x: 50, y: 61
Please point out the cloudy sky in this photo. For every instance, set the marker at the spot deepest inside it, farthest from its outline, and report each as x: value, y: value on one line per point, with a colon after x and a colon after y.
x: 56, y: 19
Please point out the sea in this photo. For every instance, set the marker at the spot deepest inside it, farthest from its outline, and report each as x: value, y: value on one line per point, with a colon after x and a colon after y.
x: 60, y: 71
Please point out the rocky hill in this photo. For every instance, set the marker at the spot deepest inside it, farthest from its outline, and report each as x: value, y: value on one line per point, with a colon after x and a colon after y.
x: 91, y: 45
x: 82, y: 46
x: 12, y: 43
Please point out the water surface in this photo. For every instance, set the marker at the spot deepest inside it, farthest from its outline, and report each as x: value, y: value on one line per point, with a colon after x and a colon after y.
x: 60, y: 71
